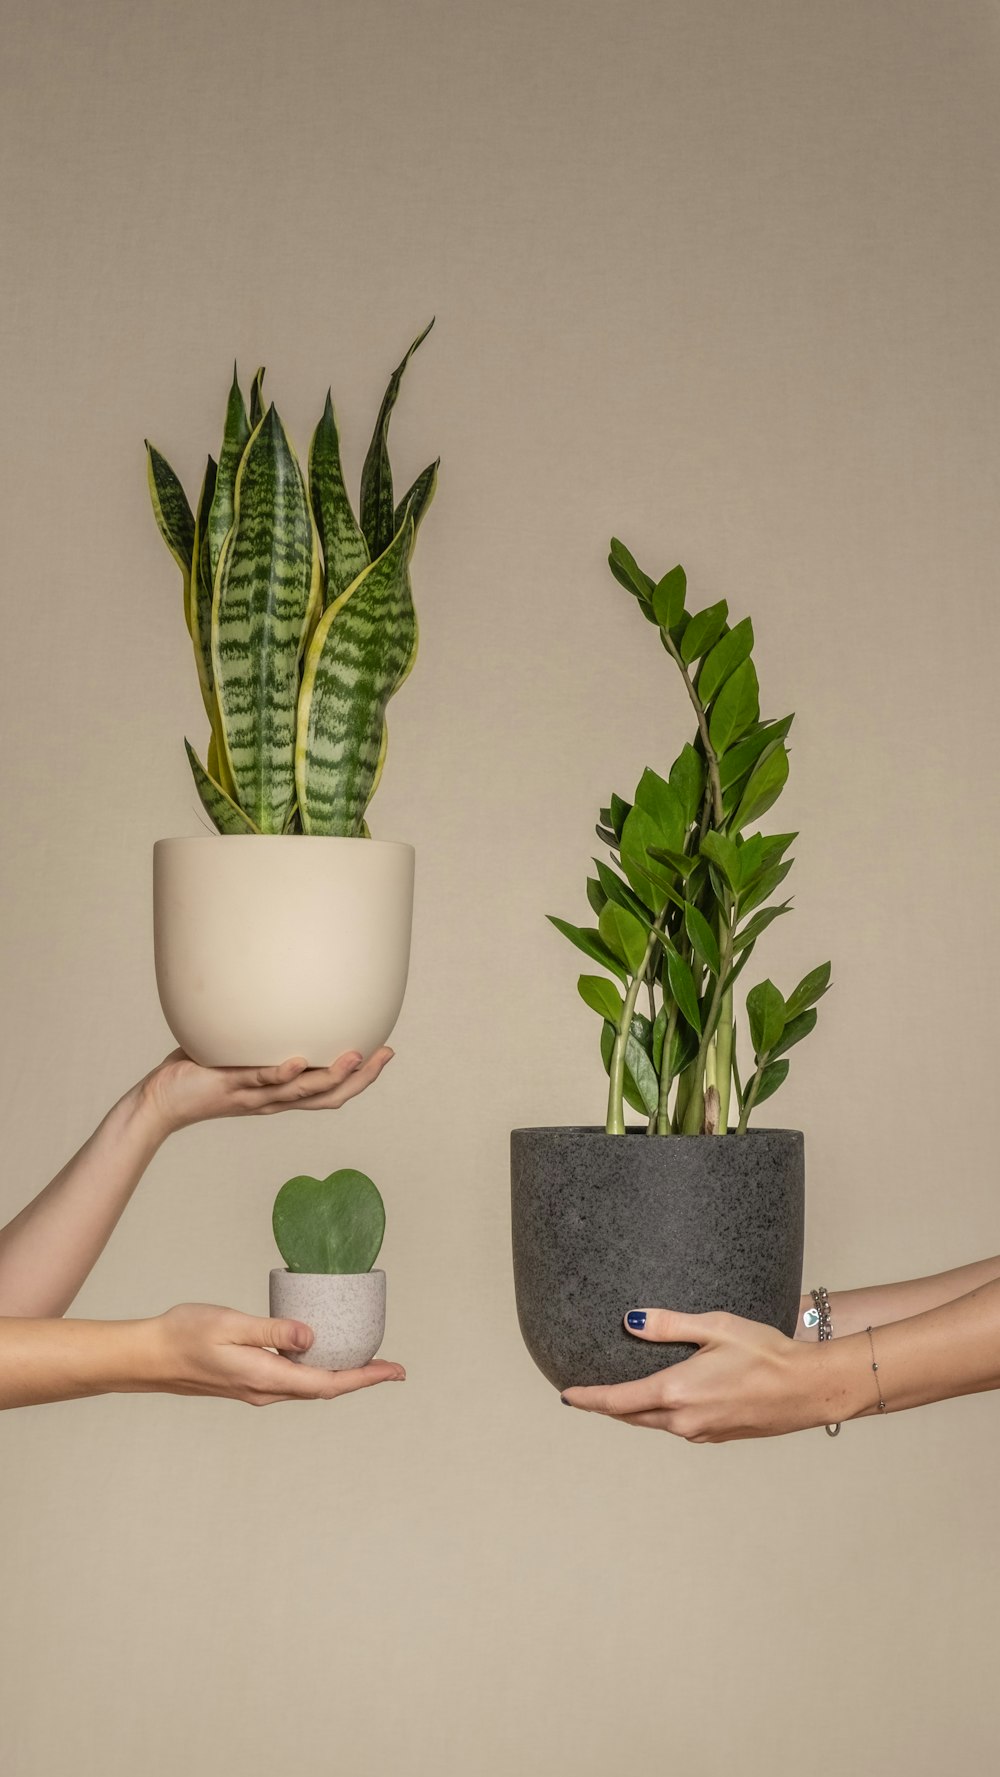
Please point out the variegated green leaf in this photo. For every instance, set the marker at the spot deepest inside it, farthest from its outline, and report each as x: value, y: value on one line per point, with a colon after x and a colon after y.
x: 218, y: 806
x: 234, y: 443
x: 377, y: 512
x: 200, y: 615
x: 266, y: 593
x: 345, y: 552
x: 361, y: 653
x: 418, y: 497
x: 173, y: 516
x: 257, y: 400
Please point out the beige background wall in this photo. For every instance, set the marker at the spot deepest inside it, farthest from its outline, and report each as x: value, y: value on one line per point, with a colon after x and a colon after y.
x: 723, y: 278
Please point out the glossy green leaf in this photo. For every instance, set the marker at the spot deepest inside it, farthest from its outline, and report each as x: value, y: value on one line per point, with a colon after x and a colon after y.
x: 345, y: 552
x: 597, y: 992
x: 235, y: 436
x: 703, y: 631
x: 661, y: 802
x: 740, y: 758
x: 219, y: 807
x: 729, y: 653
x: 759, y: 923
x: 659, y: 1035
x: 687, y: 778
x: 332, y: 1226
x: 774, y: 1075
x: 703, y: 939
x: 591, y: 943
x: 619, y: 812
x: 795, y: 1029
x: 724, y: 854
x: 595, y: 894
x: 683, y: 989
x: 357, y: 659
x: 766, y: 1012
x: 764, y: 786
x: 637, y: 1044
x: 267, y: 592
x: 668, y: 598
x: 377, y: 505
x: 764, y: 886
x: 811, y: 988
x: 679, y: 861
x: 628, y: 572
x: 624, y: 935
x: 735, y: 708
x: 614, y: 889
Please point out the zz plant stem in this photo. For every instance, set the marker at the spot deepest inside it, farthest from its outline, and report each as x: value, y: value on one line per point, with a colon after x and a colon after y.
x: 688, y: 887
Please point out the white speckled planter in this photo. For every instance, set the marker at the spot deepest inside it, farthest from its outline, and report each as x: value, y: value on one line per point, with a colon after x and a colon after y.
x: 346, y: 1313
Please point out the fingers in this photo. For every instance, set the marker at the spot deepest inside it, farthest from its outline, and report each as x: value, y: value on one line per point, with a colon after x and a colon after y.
x: 664, y: 1326
x: 331, y: 1099
x: 274, y: 1335
x: 623, y: 1399
x: 325, y: 1385
x: 272, y: 1076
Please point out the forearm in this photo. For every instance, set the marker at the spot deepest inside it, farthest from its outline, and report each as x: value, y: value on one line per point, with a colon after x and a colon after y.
x: 949, y: 1350
x: 48, y: 1250
x: 853, y: 1310
x: 66, y: 1360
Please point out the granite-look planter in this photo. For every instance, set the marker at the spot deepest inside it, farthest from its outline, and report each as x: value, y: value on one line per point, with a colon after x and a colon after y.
x: 346, y: 1311
x: 603, y: 1223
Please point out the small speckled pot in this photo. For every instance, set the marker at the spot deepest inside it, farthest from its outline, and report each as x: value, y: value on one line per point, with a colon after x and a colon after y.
x: 604, y: 1223
x: 346, y: 1312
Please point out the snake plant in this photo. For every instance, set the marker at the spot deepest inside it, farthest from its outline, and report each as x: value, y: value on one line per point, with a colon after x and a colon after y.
x: 688, y: 892
x: 300, y: 616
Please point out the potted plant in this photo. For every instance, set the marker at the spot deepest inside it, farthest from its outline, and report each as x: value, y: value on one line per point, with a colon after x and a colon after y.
x: 329, y: 1233
x: 292, y: 938
x: 693, y: 1208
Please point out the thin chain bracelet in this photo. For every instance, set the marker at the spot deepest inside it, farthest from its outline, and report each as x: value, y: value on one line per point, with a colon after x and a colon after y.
x: 819, y: 1316
x: 881, y: 1402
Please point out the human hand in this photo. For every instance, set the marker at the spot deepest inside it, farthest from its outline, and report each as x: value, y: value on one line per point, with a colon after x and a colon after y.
x: 745, y: 1380
x: 201, y: 1350
x: 179, y: 1091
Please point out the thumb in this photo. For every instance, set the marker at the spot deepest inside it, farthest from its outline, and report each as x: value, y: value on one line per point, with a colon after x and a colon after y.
x: 664, y: 1326
x: 281, y: 1335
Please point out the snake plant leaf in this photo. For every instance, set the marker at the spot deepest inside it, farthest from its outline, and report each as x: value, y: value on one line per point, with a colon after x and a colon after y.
x: 218, y: 806
x: 200, y: 615
x: 257, y: 400
x: 377, y: 510
x: 235, y: 437
x: 345, y: 552
x: 419, y: 496
x: 173, y: 516
x: 266, y: 593
x: 359, y: 656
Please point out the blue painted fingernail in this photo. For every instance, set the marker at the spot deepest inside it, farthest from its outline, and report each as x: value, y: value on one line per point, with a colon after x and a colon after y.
x: 565, y: 1402
x: 636, y: 1318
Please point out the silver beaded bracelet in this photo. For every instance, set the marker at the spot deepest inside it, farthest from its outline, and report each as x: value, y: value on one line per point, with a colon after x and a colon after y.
x: 819, y: 1316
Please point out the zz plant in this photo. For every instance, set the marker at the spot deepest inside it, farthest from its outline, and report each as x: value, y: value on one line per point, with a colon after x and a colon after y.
x: 688, y: 892
x: 300, y: 615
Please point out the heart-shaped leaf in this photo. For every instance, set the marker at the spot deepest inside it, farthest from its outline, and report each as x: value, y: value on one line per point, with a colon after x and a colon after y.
x: 329, y: 1226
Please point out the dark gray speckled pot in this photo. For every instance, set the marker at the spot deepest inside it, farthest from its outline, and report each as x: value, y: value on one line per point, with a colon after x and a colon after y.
x: 604, y: 1223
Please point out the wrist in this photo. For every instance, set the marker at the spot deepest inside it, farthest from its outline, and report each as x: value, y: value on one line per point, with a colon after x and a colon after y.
x: 835, y: 1381
x: 146, y: 1113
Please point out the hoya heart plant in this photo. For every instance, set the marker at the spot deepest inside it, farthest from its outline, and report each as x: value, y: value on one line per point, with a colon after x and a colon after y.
x: 331, y: 1226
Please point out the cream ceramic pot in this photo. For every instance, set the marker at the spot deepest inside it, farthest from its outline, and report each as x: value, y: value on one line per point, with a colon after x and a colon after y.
x: 346, y: 1311
x: 268, y: 947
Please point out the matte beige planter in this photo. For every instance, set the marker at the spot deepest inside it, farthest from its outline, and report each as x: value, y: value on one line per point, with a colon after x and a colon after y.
x: 346, y: 1312
x: 268, y: 947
